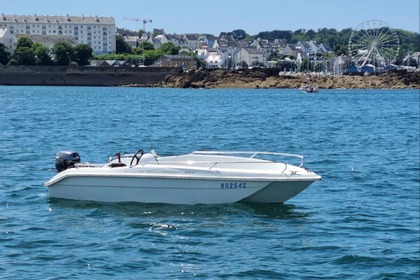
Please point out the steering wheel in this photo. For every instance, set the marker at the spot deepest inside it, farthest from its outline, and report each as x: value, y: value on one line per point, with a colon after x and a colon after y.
x: 137, y: 156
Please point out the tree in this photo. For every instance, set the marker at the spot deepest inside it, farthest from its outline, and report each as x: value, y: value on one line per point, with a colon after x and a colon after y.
x: 24, y: 54
x: 310, y: 34
x: 4, y: 54
x: 121, y: 45
x: 83, y: 53
x: 409, y: 43
x: 151, y: 56
x: 287, y: 66
x: 329, y: 37
x: 238, y: 34
x: 138, y: 51
x: 144, y: 46
x: 169, y: 48
x: 147, y: 46
x: 299, y: 35
x: 276, y: 34
x: 24, y: 42
x: 339, y: 49
x: 63, y: 53
x: 42, y: 54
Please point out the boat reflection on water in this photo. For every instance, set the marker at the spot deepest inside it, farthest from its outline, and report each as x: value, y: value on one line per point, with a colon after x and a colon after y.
x: 276, y: 211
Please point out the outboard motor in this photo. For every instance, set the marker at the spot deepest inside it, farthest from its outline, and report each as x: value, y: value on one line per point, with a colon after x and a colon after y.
x: 66, y: 159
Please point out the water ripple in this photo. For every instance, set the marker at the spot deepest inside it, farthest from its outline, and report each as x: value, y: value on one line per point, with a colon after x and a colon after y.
x: 360, y: 222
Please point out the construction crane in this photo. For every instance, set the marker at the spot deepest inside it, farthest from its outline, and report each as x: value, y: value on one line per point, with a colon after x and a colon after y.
x: 140, y: 19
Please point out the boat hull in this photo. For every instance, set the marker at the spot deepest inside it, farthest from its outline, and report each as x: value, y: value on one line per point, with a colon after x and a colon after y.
x: 278, y: 192
x: 154, y: 190
x: 179, y: 191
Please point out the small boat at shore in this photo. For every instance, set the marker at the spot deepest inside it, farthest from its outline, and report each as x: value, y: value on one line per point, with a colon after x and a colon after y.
x: 201, y: 177
x: 309, y: 88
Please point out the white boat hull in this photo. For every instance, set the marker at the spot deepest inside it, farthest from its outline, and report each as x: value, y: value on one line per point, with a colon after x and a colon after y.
x: 197, y: 182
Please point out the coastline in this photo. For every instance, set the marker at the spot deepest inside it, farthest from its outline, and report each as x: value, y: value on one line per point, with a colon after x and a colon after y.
x: 174, y: 77
x: 258, y: 78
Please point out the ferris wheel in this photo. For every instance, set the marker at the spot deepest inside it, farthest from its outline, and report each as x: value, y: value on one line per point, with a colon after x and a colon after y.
x: 374, y: 42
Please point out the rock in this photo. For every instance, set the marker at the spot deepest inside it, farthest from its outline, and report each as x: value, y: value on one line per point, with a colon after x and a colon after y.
x: 197, y: 76
x: 269, y: 78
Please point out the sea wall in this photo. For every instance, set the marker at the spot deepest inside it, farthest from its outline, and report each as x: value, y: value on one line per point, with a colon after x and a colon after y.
x: 84, y: 76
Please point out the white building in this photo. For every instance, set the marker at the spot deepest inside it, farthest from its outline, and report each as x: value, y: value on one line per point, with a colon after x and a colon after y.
x: 132, y: 41
x: 97, y: 32
x: 214, y: 59
x: 251, y: 56
x: 7, y: 39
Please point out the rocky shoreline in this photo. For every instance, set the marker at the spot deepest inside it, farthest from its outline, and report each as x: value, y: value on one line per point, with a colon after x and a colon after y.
x: 268, y: 78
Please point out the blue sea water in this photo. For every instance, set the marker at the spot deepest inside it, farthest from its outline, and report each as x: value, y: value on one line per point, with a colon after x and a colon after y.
x: 360, y: 222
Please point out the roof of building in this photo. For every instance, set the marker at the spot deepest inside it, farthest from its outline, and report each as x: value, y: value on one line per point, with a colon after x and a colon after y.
x: 56, y: 19
x: 174, y: 37
x: 48, y: 39
x: 176, y: 56
x: 252, y: 51
x: 191, y: 37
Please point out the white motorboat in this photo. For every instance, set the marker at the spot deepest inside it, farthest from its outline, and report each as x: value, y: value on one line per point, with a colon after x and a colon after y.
x: 309, y: 88
x: 207, y: 177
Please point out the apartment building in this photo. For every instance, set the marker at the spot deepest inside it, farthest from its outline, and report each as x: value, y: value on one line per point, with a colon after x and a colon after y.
x: 98, y: 32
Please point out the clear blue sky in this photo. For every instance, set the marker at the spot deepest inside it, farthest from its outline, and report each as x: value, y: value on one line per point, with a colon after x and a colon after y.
x: 215, y: 16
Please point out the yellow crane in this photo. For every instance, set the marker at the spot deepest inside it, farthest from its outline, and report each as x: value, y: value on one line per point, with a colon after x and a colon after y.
x: 141, y: 20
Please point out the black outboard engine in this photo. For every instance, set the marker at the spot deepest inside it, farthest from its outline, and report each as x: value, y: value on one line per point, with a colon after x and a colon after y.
x: 66, y: 159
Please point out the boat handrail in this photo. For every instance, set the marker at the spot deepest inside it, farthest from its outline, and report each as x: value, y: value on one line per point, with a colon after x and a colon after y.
x: 244, y: 154
x: 252, y: 154
x: 212, y: 164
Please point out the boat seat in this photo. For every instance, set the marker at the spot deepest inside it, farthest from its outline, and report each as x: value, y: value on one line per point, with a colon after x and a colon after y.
x: 148, y: 158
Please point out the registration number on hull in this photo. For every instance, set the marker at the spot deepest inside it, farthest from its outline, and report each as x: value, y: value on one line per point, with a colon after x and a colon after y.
x: 233, y: 185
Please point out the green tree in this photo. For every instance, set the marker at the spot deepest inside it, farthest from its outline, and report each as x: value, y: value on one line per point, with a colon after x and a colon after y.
x: 24, y: 42
x: 83, y: 53
x: 329, y: 37
x: 409, y: 43
x: 144, y: 46
x: 238, y: 34
x: 169, y: 48
x: 24, y: 54
x: 147, y: 46
x: 138, y: 51
x: 276, y: 34
x: 339, y: 49
x: 310, y: 34
x: 151, y: 56
x: 63, y: 53
x: 121, y: 45
x: 42, y: 54
x: 114, y: 56
x: 299, y: 35
x: 4, y: 55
